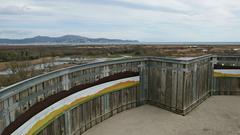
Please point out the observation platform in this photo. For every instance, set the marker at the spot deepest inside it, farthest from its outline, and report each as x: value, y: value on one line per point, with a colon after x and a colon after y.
x: 218, y: 115
x: 72, y: 100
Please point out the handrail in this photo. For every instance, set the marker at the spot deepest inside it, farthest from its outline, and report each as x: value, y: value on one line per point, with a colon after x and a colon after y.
x: 5, y: 92
x: 10, y: 90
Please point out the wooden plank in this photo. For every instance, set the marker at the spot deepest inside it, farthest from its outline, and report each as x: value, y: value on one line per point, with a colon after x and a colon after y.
x: 180, y: 88
x: 163, y: 84
x: 169, y: 84
x: 174, y: 88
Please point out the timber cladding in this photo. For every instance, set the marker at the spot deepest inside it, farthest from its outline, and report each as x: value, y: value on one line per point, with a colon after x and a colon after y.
x: 40, y: 106
x: 226, y: 83
x: 21, y: 97
x: 172, y: 84
x: 179, y: 87
x: 226, y: 86
x: 90, y: 113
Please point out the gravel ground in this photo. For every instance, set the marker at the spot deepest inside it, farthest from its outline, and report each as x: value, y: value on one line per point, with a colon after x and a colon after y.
x: 218, y: 115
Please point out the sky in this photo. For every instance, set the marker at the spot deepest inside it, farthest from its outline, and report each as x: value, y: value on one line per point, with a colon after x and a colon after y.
x: 143, y: 20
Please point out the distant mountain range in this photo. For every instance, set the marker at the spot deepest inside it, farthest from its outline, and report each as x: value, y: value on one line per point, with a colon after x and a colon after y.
x: 67, y: 39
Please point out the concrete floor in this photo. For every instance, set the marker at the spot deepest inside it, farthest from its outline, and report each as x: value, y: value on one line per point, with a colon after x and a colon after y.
x: 218, y: 115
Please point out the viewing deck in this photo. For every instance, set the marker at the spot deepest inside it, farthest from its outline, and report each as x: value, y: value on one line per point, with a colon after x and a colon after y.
x: 175, y: 84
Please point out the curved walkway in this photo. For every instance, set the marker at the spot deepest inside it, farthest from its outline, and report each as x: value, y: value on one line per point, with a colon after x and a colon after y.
x: 218, y: 115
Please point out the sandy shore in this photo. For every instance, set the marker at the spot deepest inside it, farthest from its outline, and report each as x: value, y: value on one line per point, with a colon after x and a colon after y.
x: 218, y: 115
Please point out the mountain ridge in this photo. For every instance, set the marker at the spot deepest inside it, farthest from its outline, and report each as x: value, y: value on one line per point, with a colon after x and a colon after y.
x: 66, y: 39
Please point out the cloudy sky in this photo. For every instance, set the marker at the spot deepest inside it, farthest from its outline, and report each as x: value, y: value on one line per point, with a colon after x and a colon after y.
x: 143, y: 20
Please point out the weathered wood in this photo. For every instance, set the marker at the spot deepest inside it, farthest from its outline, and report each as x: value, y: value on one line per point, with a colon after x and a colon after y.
x: 227, y: 86
x: 174, y: 85
x: 83, y: 116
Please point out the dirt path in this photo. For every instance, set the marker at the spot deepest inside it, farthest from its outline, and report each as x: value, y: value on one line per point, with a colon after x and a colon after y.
x: 218, y: 115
